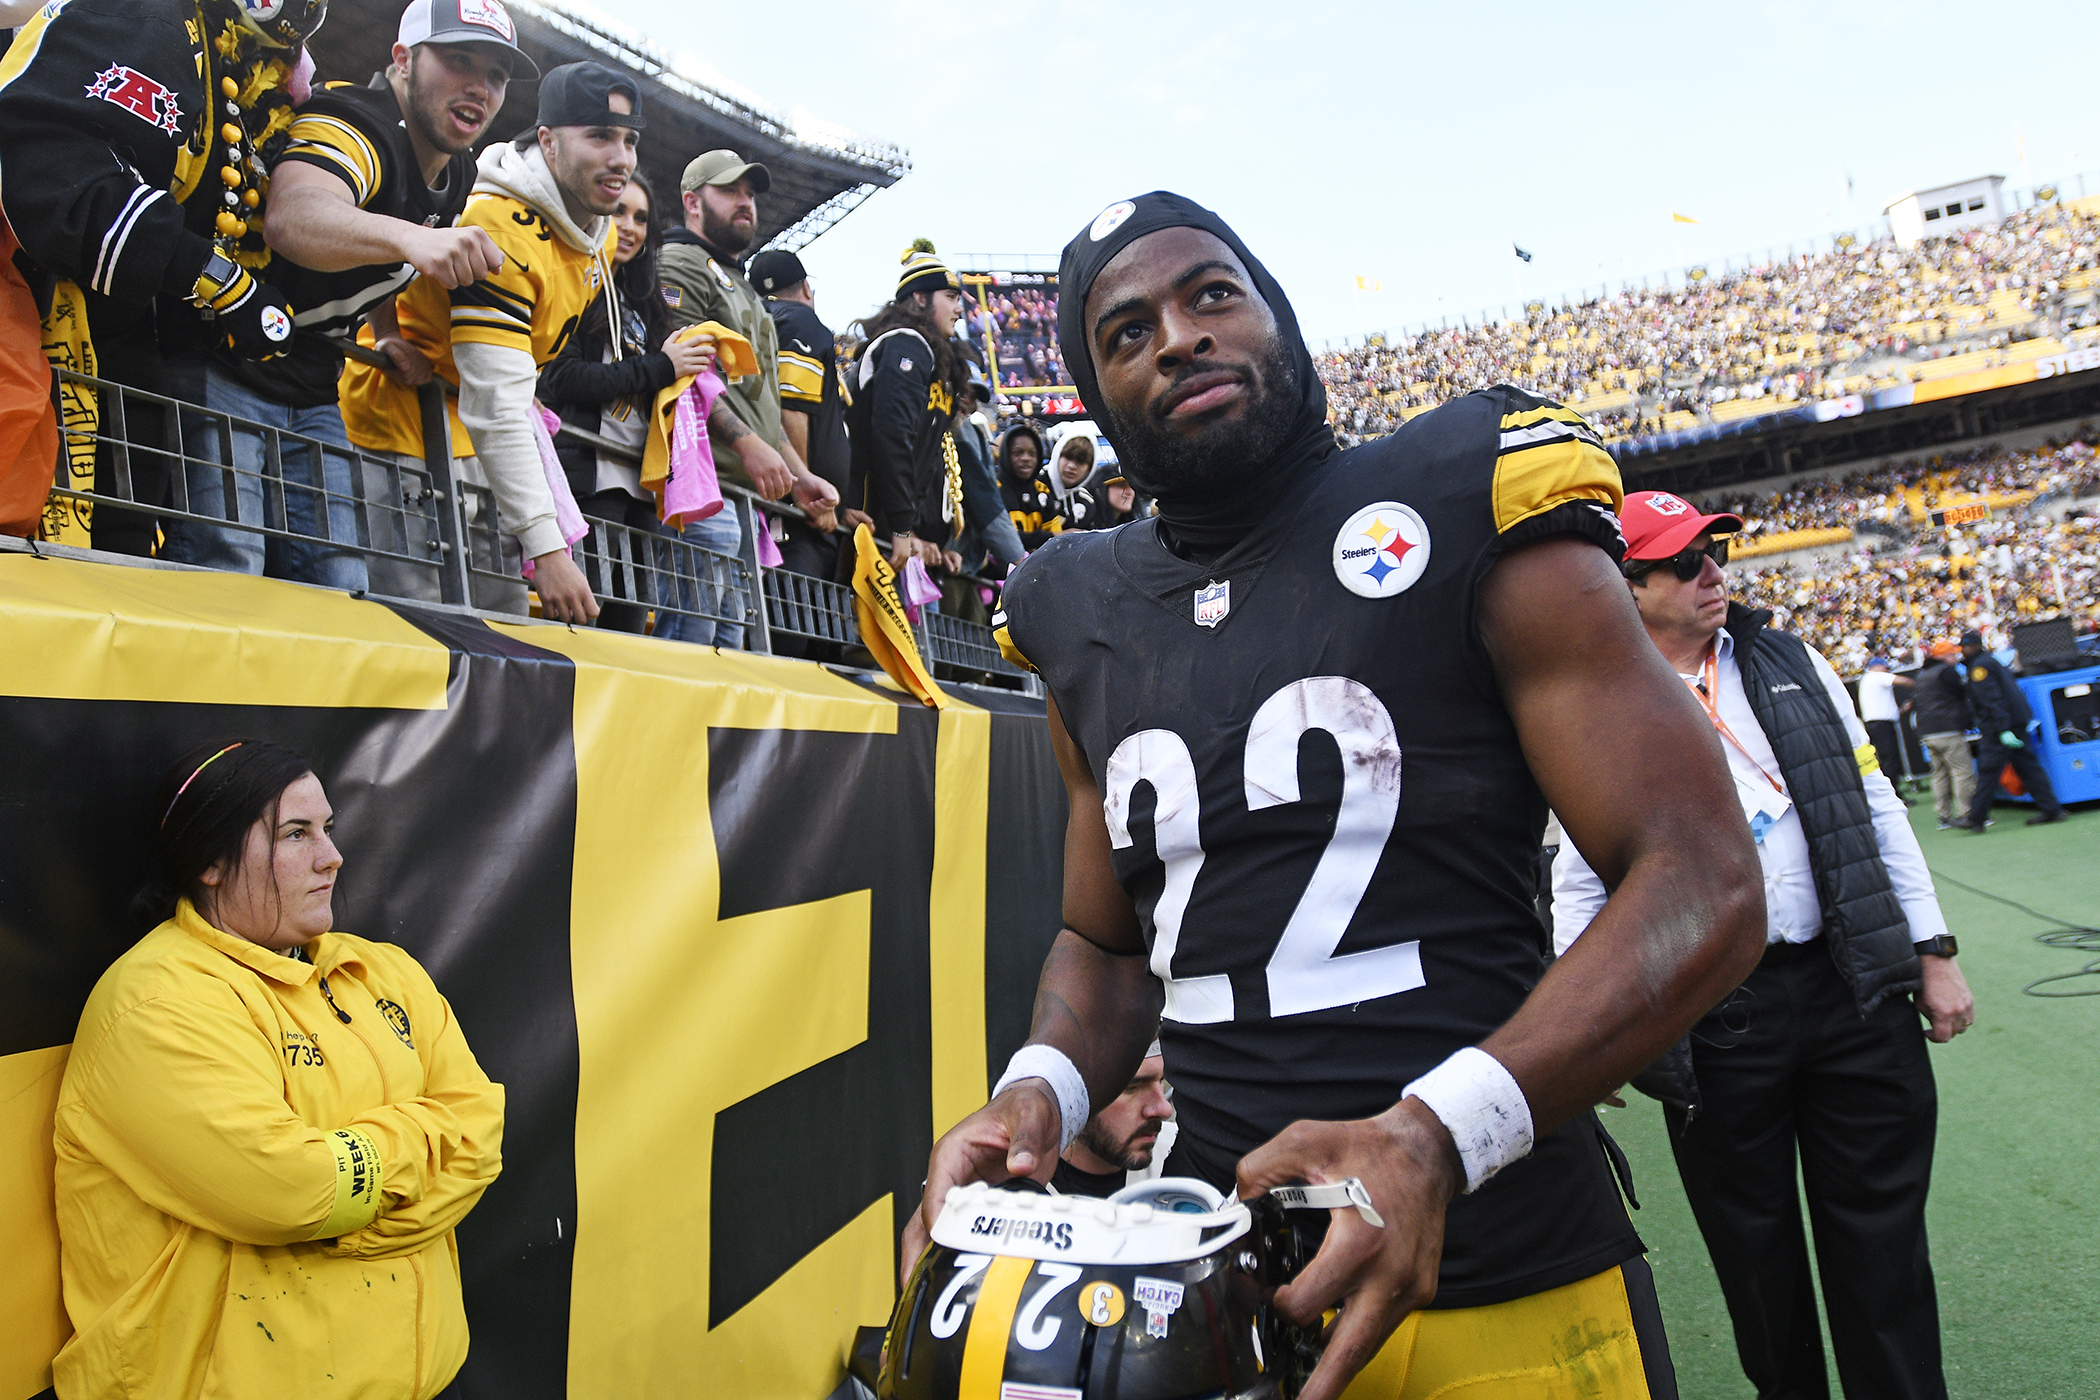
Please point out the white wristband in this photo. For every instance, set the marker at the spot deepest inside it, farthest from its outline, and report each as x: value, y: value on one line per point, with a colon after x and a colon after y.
x: 1482, y: 1105
x: 1055, y: 1068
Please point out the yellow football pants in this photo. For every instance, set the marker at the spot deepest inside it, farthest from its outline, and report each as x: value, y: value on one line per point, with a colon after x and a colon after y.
x: 1574, y: 1342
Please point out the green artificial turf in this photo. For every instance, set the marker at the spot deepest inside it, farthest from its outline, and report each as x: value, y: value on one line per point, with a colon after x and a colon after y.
x: 2015, y: 1231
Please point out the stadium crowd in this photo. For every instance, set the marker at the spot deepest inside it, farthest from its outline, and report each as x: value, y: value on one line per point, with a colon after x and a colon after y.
x: 1896, y: 591
x: 1801, y: 328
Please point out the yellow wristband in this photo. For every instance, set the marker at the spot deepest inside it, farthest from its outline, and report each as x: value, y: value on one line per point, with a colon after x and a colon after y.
x: 357, y: 1175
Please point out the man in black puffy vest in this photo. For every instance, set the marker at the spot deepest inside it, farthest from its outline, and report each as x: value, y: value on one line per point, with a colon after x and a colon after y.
x: 1818, y: 1060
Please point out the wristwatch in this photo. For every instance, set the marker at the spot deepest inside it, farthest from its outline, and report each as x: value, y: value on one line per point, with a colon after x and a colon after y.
x: 219, y: 273
x: 1940, y: 947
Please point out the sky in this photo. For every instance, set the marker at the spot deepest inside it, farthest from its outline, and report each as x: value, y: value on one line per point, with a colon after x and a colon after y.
x: 1405, y: 143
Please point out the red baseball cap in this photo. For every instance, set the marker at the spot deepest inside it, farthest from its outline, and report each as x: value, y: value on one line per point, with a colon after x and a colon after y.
x: 1658, y: 524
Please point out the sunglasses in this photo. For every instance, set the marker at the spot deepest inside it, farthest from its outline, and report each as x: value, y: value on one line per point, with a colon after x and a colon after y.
x: 1686, y: 563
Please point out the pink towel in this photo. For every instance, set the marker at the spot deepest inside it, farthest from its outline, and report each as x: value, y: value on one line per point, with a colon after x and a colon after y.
x: 566, y: 515
x: 918, y: 589
x: 768, y: 549
x: 693, y: 491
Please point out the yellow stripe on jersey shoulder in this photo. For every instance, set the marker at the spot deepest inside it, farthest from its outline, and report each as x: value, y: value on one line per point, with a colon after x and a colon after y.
x: 1536, y: 473
x: 801, y: 377
x: 1007, y: 648
x: 342, y: 144
x: 1552, y: 412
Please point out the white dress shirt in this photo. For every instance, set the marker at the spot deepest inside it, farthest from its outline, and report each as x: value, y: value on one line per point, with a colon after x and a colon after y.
x: 1793, y: 914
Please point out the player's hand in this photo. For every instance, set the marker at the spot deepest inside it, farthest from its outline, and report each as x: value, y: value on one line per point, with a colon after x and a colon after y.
x: 410, y: 367
x: 2010, y: 740
x: 564, y: 595
x: 769, y: 473
x: 692, y: 354
x: 1945, y: 1000
x: 1014, y: 1135
x: 456, y: 257
x: 1405, y: 1158
x: 813, y: 493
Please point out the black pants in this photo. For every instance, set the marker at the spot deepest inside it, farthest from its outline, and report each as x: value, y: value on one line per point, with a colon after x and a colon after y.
x: 1888, y: 747
x: 1991, y: 758
x: 1790, y: 1072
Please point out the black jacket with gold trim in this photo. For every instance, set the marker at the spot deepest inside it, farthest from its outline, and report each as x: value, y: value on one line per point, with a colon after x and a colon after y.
x: 897, y: 422
x: 110, y: 138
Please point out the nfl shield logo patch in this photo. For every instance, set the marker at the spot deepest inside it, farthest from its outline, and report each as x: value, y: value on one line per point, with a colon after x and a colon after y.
x: 1212, y: 603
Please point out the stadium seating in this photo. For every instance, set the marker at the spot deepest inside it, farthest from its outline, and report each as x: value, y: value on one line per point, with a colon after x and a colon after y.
x: 1666, y: 358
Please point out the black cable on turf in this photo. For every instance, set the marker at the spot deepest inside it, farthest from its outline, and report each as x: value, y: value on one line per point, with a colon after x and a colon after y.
x: 2077, y: 937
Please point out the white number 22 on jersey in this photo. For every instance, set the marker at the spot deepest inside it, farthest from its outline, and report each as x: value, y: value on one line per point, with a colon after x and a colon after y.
x: 1304, y: 973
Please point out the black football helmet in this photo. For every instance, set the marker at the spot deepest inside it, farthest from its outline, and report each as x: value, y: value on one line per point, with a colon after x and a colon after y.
x: 1156, y: 1293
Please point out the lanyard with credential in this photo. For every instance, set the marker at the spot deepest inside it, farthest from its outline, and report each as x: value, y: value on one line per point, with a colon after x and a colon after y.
x: 1704, y: 689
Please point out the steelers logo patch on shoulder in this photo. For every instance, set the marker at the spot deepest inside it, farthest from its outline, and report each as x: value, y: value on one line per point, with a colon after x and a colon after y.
x: 1381, y: 550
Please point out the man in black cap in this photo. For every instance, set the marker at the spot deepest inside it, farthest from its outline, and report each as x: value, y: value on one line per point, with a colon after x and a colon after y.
x: 363, y: 198
x: 811, y: 414
x: 545, y: 201
x: 2004, y: 718
x: 1347, y: 683
x: 702, y: 270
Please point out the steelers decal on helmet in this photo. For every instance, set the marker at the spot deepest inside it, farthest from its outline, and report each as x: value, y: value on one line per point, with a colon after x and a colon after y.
x: 1381, y: 550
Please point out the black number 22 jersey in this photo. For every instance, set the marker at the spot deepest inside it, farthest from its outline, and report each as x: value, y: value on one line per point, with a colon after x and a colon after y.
x: 1318, y: 802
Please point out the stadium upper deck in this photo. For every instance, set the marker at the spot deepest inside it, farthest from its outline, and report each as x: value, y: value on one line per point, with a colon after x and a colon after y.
x: 819, y: 174
x: 1868, y: 321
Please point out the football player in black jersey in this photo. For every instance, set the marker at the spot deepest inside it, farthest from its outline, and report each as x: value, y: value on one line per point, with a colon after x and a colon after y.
x: 1310, y: 716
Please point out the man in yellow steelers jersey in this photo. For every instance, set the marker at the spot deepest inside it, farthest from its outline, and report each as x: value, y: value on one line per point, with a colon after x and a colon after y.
x: 545, y: 200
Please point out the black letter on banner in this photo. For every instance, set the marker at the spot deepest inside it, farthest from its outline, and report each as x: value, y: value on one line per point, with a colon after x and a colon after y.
x: 801, y: 815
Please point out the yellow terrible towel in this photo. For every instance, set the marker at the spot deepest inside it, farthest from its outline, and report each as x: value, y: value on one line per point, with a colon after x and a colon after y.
x: 734, y: 357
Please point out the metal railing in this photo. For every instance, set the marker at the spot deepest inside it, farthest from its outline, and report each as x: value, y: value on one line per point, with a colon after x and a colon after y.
x: 213, y: 489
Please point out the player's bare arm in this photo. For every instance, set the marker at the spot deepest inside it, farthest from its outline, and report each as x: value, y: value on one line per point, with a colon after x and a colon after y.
x: 1097, y: 1002
x: 1642, y: 788
x: 312, y: 220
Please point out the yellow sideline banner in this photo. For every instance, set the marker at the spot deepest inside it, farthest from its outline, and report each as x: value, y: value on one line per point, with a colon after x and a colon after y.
x: 720, y: 923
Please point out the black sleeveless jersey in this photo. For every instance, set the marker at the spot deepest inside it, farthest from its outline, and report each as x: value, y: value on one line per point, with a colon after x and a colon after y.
x: 1318, y: 802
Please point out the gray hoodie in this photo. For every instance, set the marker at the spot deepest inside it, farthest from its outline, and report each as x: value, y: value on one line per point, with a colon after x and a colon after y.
x: 496, y: 382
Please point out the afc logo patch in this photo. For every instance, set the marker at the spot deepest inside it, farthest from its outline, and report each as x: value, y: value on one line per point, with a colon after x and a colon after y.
x: 1381, y: 550
x: 397, y: 1018
x: 139, y: 95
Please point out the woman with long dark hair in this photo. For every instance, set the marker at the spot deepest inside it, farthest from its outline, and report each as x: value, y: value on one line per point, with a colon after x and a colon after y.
x: 908, y: 381
x: 606, y: 384
x: 267, y: 1131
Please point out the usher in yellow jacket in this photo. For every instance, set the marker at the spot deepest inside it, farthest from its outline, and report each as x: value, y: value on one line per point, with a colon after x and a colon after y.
x: 260, y: 1163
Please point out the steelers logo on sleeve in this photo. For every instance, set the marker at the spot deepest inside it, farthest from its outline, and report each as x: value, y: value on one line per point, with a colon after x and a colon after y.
x: 1381, y: 550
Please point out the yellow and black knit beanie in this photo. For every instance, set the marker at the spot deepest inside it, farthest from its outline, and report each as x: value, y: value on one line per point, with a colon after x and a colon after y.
x: 923, y: 272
